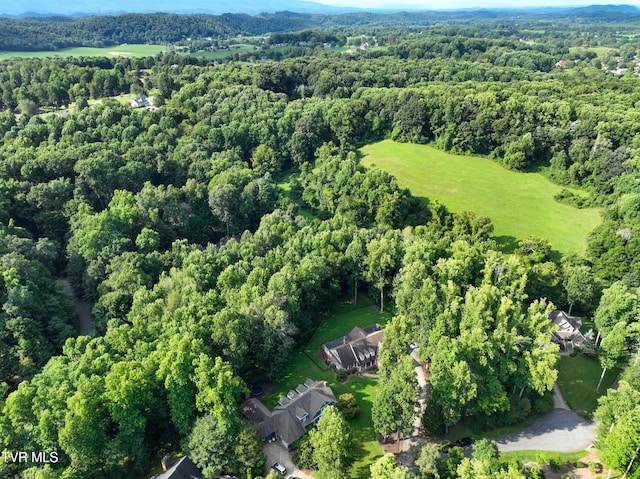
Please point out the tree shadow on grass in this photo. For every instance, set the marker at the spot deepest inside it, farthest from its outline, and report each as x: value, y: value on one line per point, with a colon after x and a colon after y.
x: 359, y: 467
x: 509, y: 244
x: 555, y: 255
x: 506, y: 244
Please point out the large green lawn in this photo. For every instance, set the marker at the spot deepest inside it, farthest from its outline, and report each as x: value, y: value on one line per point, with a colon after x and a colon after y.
x: 578, y: 378
x: 600, y: 51
x: 306, y: 364
x: 225, y: 53
x: 519, y: 204
x: 120, y: 50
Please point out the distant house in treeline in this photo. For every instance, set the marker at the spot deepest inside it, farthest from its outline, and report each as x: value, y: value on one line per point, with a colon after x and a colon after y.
x: 142, y: 102
x: 357, y: 351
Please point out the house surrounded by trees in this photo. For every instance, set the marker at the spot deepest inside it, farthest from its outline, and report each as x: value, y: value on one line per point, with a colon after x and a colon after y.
x: 568, y: 332
x: 288, y: 421
x: 183, y: 468
x: 141, y: 102
x: 357, y: 351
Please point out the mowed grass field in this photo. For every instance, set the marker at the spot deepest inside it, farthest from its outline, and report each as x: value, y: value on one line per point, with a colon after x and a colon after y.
x: 578, y: 378
x: 600, y: 51
x: 225, y: 53
x: 518, y: 204
x: 114, y: 51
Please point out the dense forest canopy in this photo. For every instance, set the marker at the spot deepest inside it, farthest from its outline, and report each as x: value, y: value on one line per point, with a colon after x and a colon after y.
x: 213, y: 232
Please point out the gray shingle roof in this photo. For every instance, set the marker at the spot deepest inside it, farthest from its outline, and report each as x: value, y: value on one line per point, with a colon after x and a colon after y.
x: 360, y: 346
x: 182, y: 469
x: 568, y: 327
x: 254, y: 410
x: 293, y: 413
x: 336, y: 342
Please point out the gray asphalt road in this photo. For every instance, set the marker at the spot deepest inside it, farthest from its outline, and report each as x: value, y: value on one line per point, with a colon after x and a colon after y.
x: 559, y: 430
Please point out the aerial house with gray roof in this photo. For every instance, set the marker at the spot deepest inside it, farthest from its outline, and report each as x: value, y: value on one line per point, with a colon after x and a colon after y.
x: 288, y: 421
x: 358, y: 351
x: 568, y: 332
x: 183, y: 468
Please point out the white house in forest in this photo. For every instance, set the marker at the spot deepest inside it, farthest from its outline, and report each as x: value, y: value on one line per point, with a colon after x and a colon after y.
x: 142, y: 102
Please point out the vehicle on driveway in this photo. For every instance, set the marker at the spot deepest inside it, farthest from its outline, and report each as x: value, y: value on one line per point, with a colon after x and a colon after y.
x: 280, y: 468
x: 445, y: 448
x: 464, y: 441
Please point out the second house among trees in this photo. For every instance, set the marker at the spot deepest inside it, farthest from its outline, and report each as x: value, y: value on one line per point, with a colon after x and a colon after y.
x: 357, y: 351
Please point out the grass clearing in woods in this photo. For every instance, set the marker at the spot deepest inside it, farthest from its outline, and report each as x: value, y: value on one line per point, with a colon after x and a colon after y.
x: 518, y: 204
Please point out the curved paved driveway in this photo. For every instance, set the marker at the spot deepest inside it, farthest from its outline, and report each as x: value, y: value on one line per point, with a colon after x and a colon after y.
x: 276, y: 452
x: 559, y: 430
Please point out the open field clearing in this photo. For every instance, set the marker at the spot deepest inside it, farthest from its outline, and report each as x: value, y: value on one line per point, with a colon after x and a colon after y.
x: 600, y: 51
x: 226, y: 52
x: 519, y: 204
x: 113, y: 51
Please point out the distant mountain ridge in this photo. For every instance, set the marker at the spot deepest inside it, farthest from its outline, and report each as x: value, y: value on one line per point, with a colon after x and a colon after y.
x: 81, y: 8
x: 57, y: 32
x: 602, y: 13
x: 607, y: 8
x: 44, y: 8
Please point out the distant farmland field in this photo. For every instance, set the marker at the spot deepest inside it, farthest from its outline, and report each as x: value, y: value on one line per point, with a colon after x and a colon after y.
x: 114, y: 51
x: 600, y: 51
x: 519, y: 204
x: 225, y: 53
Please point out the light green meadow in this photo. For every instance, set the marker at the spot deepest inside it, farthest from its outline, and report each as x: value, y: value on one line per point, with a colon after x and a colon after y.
x: 518, y: 204
x: 114, y: 51
x: 225, y: 53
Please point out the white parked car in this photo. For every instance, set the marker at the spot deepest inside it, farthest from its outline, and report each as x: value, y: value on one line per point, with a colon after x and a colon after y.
x: 280, y: 468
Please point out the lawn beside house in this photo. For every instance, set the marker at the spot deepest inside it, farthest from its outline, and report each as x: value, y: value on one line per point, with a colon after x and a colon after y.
x: 578, y: 378
x: 305, y: 363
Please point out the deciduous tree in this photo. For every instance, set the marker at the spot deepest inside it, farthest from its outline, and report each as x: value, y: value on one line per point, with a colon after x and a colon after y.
x: 428, y: 460
x: 394, y: 408
x: 386, y: 468
x: 331, y: 441
x: 382, y: 259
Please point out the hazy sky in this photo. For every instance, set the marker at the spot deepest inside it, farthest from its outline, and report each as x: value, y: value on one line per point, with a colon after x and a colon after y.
x: 453, y: 4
